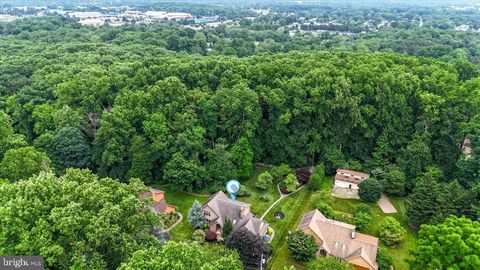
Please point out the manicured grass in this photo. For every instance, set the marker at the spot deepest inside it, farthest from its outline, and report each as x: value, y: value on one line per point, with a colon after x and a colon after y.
x: 400, y: 253
x: 258, y: 206
x: 294, y: 206
x: 183, y: 201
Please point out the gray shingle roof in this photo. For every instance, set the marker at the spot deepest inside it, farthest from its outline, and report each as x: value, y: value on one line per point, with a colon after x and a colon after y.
x: 225, y: 208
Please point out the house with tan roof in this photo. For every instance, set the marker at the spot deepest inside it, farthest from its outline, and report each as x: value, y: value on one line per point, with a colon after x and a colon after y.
x: 349, y: 180
x: 218, y: 208
x: 339, y: 239
x: 159, y: 204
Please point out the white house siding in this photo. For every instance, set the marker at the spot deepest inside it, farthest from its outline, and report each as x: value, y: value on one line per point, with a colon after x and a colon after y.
x: 343, y: 184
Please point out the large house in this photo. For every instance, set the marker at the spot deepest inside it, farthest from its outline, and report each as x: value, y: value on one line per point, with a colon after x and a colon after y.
x: 349, y: 180
x: 219, y: 208
x: 159, y: 204
x: 339, y: 239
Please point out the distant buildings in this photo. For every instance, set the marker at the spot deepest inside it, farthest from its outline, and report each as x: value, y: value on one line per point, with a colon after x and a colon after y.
x: 160, y: 15
x: 97, y: 18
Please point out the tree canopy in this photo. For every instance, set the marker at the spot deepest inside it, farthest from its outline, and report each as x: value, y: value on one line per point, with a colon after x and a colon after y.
x: 77, y: 216
x: 449, y: 245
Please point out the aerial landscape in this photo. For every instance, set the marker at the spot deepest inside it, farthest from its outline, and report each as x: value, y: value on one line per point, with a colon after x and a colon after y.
x: 249, y: 134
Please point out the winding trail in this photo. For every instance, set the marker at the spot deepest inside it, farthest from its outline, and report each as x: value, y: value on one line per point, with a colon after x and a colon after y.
x: 176, y: 222
x: 282, y: 196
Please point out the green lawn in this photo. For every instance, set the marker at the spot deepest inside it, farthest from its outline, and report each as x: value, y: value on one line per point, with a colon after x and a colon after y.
x: 258, y: 206
x: 294, y: 207
x: 183, y: 201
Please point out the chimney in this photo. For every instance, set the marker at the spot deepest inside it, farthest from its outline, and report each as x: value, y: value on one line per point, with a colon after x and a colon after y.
x: 353, y: 234
x: 242, y: 212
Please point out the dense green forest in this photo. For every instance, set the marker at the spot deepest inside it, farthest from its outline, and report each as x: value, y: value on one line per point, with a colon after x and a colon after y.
x: 191, y: 109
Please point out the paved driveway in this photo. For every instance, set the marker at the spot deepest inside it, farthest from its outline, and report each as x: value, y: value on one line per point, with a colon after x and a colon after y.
x: 386, y: 206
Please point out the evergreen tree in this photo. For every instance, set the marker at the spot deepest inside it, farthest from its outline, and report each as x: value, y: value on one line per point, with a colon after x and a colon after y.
x: 315, y: 181
x: 227, y: 228
x: 415, y: 158
x: 422, y: 203
x: 394, y: 183
x: 195, y: 215
x: 450, y: 201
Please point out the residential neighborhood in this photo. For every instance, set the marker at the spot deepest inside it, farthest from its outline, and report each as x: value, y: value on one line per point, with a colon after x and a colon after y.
x: 239, y: 135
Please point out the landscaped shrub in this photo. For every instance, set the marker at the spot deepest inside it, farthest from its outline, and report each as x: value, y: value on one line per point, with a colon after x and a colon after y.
x: 264, y: 180
x: 198, y: 236
x: 244, y: 192
x: 383, y: 259
x: 302, y: 246
x: 326, y: 209
x: 211, y: 236
x: 290, y: 183
x: 324, y: 196
x: 266, y: 237
x: 264, y: 198
x: 370, y: 190
x: 363, y: 208
x: 328, y: 263
x: 280, y: 172
x: 391, y: 232
x: 315, y: 182
x: 362, y: 220
x: 303, y: 175
x: 227, y: 227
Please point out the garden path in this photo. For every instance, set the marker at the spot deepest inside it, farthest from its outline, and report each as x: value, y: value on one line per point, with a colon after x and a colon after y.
x: 282, y: 196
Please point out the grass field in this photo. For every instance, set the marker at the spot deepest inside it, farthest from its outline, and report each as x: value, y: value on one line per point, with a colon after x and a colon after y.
x: 294, y: 207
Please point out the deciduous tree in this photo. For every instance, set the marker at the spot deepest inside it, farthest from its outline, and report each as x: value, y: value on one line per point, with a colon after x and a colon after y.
x: 391, y: 232
x: 22, y: 163
x: 452, y: 244
x: 370, y: 190
x: 249, y: 246
x: 302, y: 246
x: 63, y: 220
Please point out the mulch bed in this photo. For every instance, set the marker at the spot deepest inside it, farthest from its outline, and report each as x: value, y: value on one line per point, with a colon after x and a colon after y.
x: 284, y: 190
x: 278, y: 215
